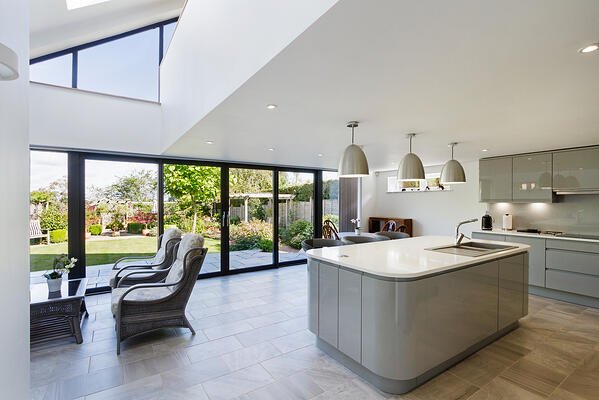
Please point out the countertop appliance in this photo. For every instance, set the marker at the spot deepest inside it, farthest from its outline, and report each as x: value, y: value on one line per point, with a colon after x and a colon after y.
x: 486, y: 222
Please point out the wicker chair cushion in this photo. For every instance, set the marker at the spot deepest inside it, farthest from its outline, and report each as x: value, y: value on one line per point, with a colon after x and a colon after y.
x: 171, y: 233
x: 144, y: 294
x: 189, y: 242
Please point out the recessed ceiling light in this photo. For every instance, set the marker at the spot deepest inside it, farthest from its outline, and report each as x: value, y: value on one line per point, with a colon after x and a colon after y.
x: 271, y: 106
x: 271, y: 149
x: 74, y: 4
x: 590, y: 48
x: 209, y: 142
x: 485, y: 150
x: 319, y: 154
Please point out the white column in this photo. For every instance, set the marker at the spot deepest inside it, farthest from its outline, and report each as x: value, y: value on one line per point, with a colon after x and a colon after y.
x: 246, y: 201
x: 14, y: 209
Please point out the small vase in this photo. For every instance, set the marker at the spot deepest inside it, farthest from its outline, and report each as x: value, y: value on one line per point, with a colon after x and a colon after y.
x: 54, y: 284
x: 357, y: 231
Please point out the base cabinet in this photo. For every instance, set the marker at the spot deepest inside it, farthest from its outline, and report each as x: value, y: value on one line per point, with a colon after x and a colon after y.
x: 402, y: 331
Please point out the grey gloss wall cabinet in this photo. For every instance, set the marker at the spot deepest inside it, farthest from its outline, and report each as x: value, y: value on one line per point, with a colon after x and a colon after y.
x: 532, y: 178
x: 576, y: 170
x: 495, y: 175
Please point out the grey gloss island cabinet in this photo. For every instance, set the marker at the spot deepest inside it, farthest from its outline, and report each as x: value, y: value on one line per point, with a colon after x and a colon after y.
x: 399, y: 333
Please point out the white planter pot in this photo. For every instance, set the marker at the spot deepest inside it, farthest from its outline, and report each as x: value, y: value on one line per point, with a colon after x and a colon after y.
x: 54, y: 284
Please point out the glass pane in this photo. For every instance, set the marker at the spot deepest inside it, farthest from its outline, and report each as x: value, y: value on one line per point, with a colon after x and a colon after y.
x: 48, y: 211
x: 330, y: 197
x: 121, y: 206
x: 168, y: 35
x: 124, y: 67
x: 250, y: 218
x: 296, y: 214
x: 55, y: 71
x: 192, y: 203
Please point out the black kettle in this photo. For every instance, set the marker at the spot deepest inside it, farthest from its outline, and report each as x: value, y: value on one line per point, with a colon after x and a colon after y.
x: 487, y: 222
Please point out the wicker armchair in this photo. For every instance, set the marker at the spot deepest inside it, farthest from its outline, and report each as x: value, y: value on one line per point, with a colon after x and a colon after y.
x: 146, y: 307
x: 155, y: 265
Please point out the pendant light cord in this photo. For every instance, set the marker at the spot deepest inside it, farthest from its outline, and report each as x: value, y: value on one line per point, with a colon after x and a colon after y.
x: 352, y: 134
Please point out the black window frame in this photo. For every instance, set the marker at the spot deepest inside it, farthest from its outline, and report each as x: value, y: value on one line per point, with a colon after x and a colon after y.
x: 76, y: 203
x: 74, y: 51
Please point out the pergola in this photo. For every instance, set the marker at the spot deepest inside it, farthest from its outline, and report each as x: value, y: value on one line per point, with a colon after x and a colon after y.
x: 247, y: 196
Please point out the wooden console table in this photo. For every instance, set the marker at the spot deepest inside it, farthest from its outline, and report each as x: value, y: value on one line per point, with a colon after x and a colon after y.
x: 56, y: 315
x: 375, y: 224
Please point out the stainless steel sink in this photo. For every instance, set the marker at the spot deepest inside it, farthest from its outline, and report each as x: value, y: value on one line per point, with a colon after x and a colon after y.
x: 473, y: 249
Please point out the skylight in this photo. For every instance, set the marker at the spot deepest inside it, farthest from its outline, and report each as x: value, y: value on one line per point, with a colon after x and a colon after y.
x: 74, y: 4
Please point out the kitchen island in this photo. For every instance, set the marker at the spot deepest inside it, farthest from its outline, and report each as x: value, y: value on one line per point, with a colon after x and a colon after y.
x: 398, y: 313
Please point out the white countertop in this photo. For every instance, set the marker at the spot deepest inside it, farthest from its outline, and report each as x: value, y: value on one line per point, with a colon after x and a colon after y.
x: 404, y: 258
x: 535, y: 235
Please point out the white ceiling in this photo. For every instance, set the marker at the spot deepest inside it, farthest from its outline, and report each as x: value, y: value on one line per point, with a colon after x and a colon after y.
x: 53, y: 27
x: 502, y: 75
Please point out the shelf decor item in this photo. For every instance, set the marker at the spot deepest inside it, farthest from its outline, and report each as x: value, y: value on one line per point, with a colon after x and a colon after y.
x: 62, y: 264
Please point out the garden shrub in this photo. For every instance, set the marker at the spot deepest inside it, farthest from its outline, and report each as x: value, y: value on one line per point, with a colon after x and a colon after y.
x: 58, y: 235
x: 53, y: 218
x: 297, y: 232
x: 95, y: 229
x: 116, y: 226
x: 169, y: 226
x: 265, y: 245
x: 135, y: 228
x: 247, y: 235
x: 235, y: 220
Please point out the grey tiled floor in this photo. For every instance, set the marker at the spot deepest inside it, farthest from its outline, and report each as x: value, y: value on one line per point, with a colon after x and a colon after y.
x: 252, y: 344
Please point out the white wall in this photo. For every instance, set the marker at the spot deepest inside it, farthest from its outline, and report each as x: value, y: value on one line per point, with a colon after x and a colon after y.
x: 217, y: 46
x: 63, y: 117
x: 433, y: 213
x: 14, y: 181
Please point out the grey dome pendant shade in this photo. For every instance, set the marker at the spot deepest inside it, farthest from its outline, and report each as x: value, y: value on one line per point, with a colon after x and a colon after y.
x: 410, y: 167
x: 353, y: 163
x: 8, y: 64
x: 452, y: 171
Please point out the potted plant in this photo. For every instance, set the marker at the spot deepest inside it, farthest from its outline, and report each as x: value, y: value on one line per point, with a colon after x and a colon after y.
x: 62, y: 264
x: 356, y: 223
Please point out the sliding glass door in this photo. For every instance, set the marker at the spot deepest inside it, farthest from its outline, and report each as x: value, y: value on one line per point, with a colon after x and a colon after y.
x: 296, y: 213
x: 121, y: 214
x: 192, y: 203
x: 250, y: 218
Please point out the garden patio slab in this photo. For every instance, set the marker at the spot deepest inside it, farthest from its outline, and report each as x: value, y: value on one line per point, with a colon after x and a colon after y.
x: 99, y: 275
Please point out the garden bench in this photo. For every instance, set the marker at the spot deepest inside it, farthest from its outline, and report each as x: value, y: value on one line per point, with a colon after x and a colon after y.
x: 36, y: 231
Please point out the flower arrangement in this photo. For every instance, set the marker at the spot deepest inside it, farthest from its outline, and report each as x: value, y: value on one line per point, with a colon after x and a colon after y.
x: 62, y: 264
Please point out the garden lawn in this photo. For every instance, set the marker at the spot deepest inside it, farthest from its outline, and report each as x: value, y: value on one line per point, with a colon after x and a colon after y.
x: 103, y: 251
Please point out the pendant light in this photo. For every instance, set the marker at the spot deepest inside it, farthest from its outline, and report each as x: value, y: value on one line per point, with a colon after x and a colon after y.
x: 353, y: 163
x: 410, y: 167
x: 8, y: 64
x: 452, y: 171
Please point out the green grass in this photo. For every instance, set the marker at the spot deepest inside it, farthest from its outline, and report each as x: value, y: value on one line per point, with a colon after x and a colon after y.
x: 103, y: 251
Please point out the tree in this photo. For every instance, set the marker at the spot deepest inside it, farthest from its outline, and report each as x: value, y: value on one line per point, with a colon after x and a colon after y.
x: 250, y: 180
x: 138, y: 186
x: 41, y: 196
x: 199, y: 185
